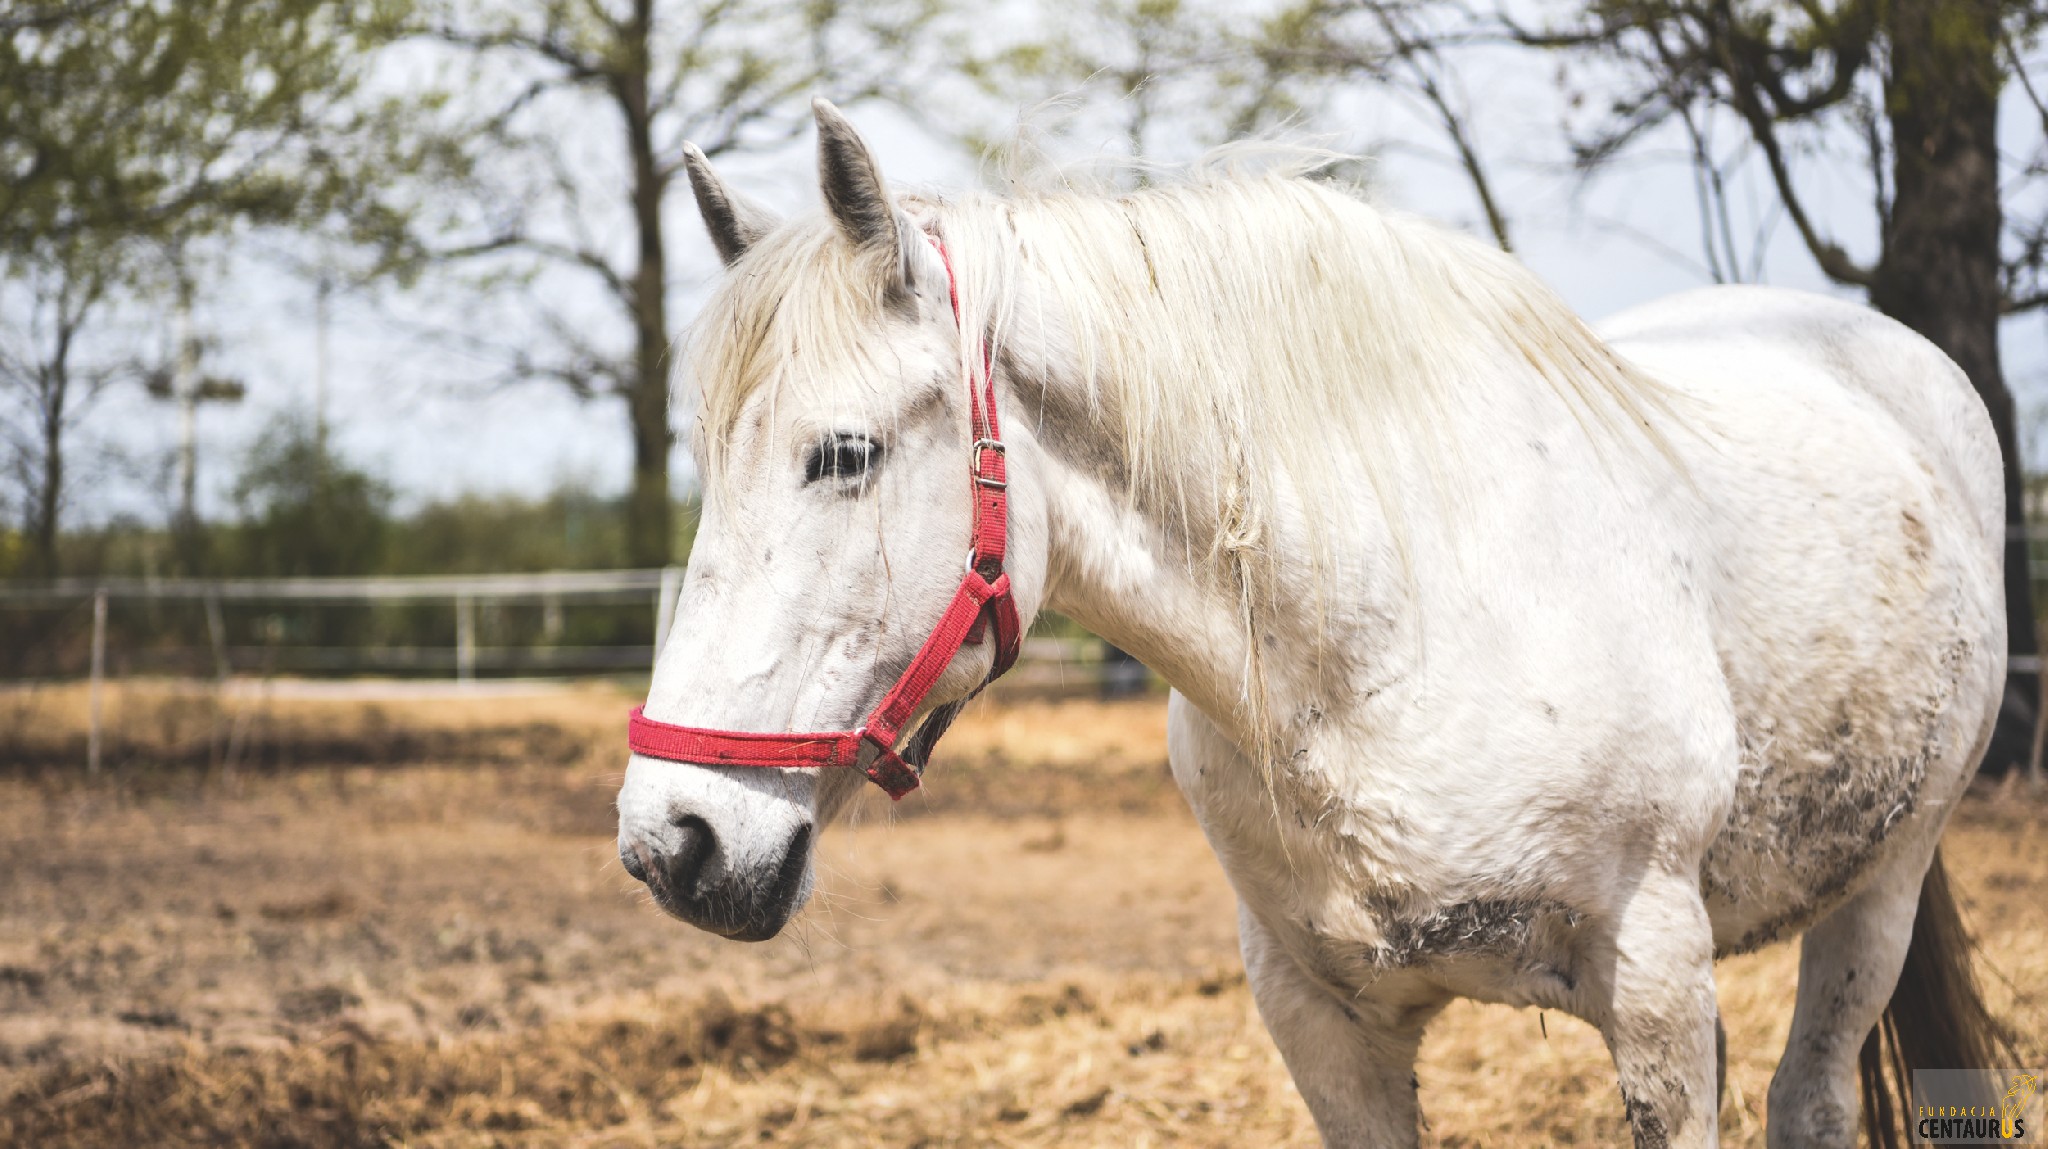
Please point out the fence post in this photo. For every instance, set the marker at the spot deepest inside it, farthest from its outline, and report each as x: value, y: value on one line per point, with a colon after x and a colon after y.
x: 99, y: 671
x: 465, y: 638
x: 551, y: 619
x: 217, y: 631
x: 665, y: 605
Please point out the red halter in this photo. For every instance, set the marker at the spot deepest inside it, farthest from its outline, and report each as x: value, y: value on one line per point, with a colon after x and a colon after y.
x: 984, y: 595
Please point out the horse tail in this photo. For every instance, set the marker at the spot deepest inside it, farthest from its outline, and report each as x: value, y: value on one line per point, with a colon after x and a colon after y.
x: 1936, y: 1018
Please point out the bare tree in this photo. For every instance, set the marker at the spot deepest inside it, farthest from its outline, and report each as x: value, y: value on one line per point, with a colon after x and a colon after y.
x: 725, y: 76
x: 1177, y: 74
x: 1910, y: 87
x: 46, y: 386
x: 1401, y: 48
x: 1151, y: 80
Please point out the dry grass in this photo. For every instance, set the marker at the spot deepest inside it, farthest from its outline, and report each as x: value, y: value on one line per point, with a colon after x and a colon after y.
x: 1037, y: 952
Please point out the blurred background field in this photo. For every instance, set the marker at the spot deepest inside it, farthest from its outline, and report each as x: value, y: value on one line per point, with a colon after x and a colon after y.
x: 403, y: 922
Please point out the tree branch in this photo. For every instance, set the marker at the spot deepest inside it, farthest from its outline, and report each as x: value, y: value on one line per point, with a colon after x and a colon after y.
x: 2019, y: 71
x: 1742, y: 96
x: 586, y: 258
x: 2020, y: 305
x: 1846, y: 36
x: 580, y: 68
x: 1420, y: 58
x: 50, y: 16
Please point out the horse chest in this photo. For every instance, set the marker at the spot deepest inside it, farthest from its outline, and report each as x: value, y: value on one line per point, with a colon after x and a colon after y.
x: 1515, y: 951
x: 1366, y: 910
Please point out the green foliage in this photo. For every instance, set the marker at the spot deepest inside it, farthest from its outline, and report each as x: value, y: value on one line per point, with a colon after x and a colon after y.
x: 13, y: 551
x: 130, y: 130
x: 307, y: 511
x: 285, y: 529
x: 157, y: 117
x: 568, y: 529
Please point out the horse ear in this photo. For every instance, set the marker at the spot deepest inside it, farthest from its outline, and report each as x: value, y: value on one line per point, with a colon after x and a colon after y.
x: 734, y: 222
x: 851, y: 181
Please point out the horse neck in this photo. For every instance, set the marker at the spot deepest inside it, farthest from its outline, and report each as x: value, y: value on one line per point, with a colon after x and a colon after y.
x: 1456, y: 381
x: 1152, y: 579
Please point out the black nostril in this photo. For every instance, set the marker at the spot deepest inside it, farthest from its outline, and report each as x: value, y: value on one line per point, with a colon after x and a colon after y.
x: 685, y: 864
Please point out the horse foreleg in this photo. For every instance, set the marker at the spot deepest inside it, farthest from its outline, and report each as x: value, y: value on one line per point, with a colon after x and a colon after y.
x: 1660, y: 1015
x: 1353, y: 1060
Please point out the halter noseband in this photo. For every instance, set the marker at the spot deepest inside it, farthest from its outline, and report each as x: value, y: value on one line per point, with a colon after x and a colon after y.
x: 983, y: 598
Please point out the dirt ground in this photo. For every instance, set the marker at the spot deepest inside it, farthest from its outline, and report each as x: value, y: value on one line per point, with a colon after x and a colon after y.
x: 330, y: 922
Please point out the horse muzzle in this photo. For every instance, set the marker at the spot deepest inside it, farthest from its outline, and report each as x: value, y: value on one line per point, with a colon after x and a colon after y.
x: 690, y: 875
x: 728, y: 851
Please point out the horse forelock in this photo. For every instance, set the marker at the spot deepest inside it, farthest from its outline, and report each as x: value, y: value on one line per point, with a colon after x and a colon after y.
x: 800, y: 309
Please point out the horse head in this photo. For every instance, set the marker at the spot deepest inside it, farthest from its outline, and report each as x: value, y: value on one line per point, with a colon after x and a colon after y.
x: 835, y: 429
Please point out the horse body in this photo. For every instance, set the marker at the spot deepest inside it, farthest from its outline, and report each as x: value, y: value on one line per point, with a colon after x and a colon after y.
x: 1766, y: 681
x: 1544, y: 680
x: 1859, y: 612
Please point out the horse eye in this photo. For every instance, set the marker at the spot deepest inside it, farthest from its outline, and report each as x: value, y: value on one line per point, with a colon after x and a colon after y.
x: 842, y: 457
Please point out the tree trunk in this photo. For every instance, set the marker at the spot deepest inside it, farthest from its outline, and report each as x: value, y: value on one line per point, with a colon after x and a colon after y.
x: 649, y: 514
x: 1938, y: 272
x: 49, y: 499
x: 53, y: 386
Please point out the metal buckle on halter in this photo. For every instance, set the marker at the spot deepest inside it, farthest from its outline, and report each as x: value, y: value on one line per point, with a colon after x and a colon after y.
x: 883, y: 766
x: 865, y: 749
x: 974, y: 467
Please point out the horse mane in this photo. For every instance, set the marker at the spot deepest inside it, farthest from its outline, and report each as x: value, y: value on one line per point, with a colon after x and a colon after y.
x: 1195, y: 309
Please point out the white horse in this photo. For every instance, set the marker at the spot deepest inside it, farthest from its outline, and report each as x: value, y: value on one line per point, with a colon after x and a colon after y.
x: 1510, y: 661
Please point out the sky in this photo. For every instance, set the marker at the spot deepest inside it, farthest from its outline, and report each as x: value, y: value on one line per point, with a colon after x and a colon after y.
x: 414, y: 389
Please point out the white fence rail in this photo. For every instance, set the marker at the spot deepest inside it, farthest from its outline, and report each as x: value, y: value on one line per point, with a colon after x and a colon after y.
x: 1048, y: 663
x: 656, y: 587
x: 624, y: 584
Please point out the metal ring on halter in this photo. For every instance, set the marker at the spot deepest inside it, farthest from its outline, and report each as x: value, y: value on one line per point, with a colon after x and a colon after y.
x: 972, y: 558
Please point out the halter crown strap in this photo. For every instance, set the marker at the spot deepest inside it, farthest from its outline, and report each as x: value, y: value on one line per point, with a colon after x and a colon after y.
x: 983, y: 600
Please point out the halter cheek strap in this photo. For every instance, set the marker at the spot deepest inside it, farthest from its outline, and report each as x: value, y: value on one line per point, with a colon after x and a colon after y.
x: 983, y: 600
